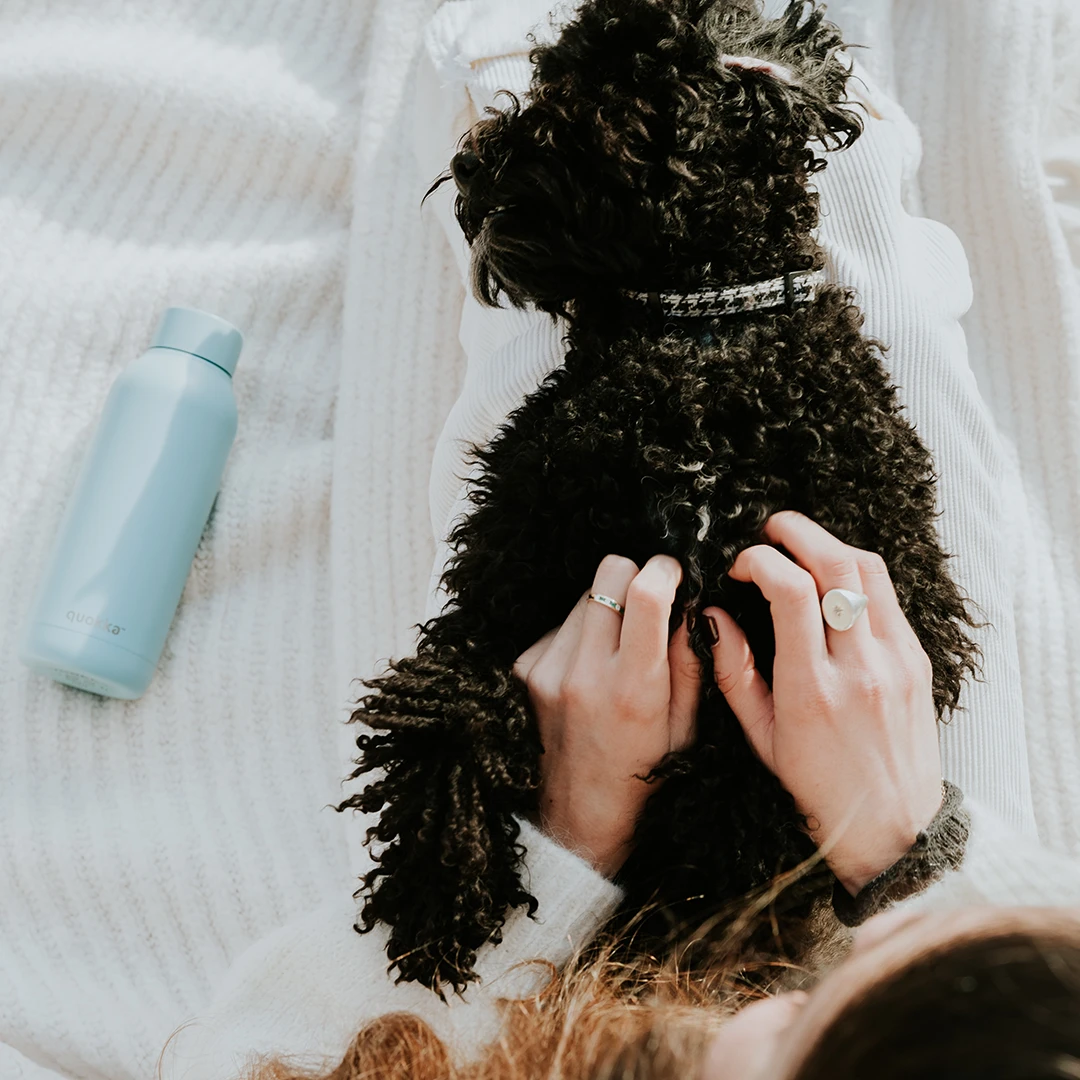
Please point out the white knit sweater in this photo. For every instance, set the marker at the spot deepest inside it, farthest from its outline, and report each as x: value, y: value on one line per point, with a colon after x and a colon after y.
x: 257, y: 160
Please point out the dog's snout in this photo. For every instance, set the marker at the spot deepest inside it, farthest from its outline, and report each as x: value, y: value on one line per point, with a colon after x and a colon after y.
x: 464, y: 168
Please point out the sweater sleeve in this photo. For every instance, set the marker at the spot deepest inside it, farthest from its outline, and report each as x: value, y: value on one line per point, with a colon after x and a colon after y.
x: 303, y: 992
x: 1002, y: 865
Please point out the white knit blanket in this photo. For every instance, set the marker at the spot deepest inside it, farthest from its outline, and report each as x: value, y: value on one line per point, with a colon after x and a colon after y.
x: 254, y: 159
x: 159, y: 152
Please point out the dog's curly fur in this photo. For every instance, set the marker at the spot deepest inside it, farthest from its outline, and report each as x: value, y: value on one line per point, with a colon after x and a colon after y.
x: 639, y: 161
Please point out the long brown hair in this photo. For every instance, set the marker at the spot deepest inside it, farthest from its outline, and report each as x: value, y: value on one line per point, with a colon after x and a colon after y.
x: 582, y: 1026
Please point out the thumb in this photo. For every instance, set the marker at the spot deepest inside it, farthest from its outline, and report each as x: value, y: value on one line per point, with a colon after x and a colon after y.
x: 685, y: 688
x: 741, y: 683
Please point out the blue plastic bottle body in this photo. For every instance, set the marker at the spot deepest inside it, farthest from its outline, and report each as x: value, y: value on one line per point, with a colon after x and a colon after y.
x: 131, y: 528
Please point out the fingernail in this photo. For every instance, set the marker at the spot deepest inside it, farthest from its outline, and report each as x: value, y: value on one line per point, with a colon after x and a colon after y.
x: 714, y: 630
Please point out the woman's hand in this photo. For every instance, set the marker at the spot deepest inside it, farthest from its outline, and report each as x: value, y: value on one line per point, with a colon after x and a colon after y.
x: 849, y: 727
x: 611, y: 698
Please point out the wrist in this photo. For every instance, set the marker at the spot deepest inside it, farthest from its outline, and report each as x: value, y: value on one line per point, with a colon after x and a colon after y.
x: 887, y: 844
x: 938, y: 849
x: 600, y: 833
x: 605, y: 857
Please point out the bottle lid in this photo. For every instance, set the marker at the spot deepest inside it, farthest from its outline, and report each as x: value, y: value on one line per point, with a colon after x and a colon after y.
x: 201, y: 334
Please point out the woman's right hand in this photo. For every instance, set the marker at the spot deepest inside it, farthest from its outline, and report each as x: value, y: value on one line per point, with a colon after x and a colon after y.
x: 849, y: 727
x: 612, y: 697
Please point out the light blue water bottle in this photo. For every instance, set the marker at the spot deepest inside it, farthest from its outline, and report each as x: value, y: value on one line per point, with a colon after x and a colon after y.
x: 130, y: 530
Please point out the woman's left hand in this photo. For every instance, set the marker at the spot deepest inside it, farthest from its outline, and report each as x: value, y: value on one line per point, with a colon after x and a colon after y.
x: 611, y: 698
x: 849, y: 726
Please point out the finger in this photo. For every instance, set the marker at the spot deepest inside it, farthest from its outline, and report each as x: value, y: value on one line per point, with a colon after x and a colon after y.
x: 561, y: 652
x: 644, y: 640
x: 742, y: 684
x: 532, y: 655
x: 601, y: 626
x: 685, y: 688
x: 887, y: 617
x: 830, y: 560
x: 793, y: 599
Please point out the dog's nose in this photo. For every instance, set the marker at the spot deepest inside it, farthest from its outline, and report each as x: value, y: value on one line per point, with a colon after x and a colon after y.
x: 464, y: 167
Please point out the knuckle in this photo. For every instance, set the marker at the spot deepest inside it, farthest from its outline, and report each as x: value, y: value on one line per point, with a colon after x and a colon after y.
x: 798, y: 588
x: 575, y: 689
x: 874, y: 689
x: 541, y: 687
x: 842, y: 567
x: 623, y: 702
x: 910, y: 679
x: 872, y: 564
x: 726, y: 681
x: 618, y: 566
x: 646, y: 594
x: 818, y: 698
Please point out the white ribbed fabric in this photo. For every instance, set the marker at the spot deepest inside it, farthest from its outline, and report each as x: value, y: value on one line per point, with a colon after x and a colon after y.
x: 161, y: 154
x: 912, y: 282
x: 1009, y: 189
x: 156, y: 153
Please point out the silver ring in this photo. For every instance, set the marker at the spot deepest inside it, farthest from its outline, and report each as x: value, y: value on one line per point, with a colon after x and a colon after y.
x: 841, y: 608
x: 608, y: 602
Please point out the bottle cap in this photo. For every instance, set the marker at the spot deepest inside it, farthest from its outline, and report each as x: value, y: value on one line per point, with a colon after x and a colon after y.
x: 201, y: 334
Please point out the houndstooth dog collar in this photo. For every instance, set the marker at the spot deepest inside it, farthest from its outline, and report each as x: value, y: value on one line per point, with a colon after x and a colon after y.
x: 786, y: 291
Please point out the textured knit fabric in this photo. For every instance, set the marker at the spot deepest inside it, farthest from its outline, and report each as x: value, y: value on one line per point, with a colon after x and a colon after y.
x: 151, y: 154
x: 1001, y: 866
x: 1009, y: 188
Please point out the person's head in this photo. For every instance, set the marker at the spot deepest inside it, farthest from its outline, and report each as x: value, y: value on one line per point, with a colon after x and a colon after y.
x: 992, y: 993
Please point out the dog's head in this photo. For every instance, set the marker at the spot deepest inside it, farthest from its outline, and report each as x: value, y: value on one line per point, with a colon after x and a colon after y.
x: 654, y: 151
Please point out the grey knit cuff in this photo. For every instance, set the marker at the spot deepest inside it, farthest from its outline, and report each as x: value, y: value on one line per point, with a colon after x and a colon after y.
x: 937, y: 849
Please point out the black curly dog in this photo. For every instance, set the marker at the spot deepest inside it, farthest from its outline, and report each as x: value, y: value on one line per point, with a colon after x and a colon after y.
x: 639, y: 161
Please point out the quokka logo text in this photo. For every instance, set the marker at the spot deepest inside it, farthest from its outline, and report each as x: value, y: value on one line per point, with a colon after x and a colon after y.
x: 96, y: 622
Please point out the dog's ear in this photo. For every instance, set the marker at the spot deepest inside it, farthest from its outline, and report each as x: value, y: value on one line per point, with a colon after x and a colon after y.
x: 453, y: 750
x: 559, y: 194
x: 786, y: 75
